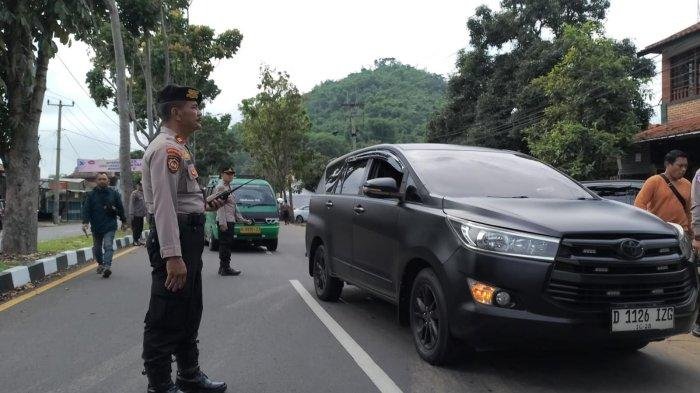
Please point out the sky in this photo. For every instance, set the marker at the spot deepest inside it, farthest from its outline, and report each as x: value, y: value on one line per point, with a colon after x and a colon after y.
x: 313, y: 41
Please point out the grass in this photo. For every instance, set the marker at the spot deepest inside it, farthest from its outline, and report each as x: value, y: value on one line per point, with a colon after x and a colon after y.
x: 52, y: 247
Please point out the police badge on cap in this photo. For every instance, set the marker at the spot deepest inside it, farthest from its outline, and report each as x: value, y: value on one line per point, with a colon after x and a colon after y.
x: 174, y: 93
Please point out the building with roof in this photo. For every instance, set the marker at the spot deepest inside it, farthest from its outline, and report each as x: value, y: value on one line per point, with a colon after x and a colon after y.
x: 679, y: 110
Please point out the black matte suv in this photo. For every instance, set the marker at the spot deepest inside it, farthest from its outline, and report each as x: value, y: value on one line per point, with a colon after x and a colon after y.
x: 495, y: 249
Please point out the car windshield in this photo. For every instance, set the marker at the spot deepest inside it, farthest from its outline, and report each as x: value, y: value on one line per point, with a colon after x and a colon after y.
x: 459, y: 173
x: 255, y: 195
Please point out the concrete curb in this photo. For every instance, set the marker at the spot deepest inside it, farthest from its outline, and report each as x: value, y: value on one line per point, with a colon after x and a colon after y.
x: 19, y: 276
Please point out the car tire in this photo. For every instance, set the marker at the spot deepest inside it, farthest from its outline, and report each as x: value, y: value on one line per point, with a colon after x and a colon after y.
x: 429, y: 319
x: 271, y: 245
x: 299, y: 219
x: 213, y: 244
x: 327, y: 288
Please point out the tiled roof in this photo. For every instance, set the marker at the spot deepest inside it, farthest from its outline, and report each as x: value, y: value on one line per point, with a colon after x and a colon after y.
x: 676, y: 128
x: 657, y: 47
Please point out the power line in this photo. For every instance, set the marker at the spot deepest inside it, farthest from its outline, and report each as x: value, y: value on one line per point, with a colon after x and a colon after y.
x: 85, y: 128
x: 72, y: 147
x: 90, y: 120
x: 91, y: 138
x: 83, y: 89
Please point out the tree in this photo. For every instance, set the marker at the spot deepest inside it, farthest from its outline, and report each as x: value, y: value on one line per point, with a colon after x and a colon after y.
x: 27, y: 30
x: 179, y: 53
x: 122, y: 104
x: 214, y: 145
x: 597, y: 102
x: 489, y: 99
x: 274, y: 127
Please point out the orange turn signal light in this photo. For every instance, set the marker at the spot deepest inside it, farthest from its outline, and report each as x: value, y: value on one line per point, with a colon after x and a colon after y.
x: 481, y: 292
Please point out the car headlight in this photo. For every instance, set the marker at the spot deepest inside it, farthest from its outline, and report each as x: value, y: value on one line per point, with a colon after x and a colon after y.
x: 683, y: 241
x: 505, y: 242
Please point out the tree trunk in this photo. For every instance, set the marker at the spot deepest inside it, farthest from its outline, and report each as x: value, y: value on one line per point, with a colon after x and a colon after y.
x: 291, y: 199
x: 22, y: 166
x: 148, y: 77
x: 122, y: 105
x: 166, y: 44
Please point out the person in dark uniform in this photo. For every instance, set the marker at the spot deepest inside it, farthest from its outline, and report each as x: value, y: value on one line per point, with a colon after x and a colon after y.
x: 227, y: 217
x: 176, y: 206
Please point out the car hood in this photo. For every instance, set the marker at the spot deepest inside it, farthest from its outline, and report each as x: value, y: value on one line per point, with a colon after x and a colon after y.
x: 556, y: 217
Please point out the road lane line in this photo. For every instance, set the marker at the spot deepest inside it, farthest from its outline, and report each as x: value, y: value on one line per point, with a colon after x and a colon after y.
x: 13, y: 302
x: 373, y: 371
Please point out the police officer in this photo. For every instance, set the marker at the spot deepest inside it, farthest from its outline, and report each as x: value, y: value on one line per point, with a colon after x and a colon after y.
x: 227, y: 217
x: 176, y: 206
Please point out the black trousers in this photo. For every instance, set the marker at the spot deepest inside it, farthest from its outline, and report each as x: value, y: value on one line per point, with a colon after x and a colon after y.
x: 225, y: 244
x: 137, y: 228
x: 172, y: 320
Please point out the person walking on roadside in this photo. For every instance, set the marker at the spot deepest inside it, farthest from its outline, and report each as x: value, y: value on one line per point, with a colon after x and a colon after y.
x: 674, y: 199
x: 100, y: 211
x: 138, y: 212
x: 176, y: 206
x: 227, y: 217
x: 695, y: 225
x: 667, y: 195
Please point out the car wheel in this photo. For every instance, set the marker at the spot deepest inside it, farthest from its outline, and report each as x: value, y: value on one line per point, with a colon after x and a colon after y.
x: 299, y: 219
x: 213, y: 244
x: 327, y: 288
x: 271, y: 245
x: 428, y: 319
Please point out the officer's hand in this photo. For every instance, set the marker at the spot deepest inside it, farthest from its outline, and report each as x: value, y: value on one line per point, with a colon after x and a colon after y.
x: 214, y: 205
x: 177, y: 274
x: 223, y: 227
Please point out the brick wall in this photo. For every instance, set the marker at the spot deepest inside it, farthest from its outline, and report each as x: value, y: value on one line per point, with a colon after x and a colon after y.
x: 683, y: 110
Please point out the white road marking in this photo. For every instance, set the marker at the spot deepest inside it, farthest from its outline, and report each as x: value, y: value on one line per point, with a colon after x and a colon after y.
x: 376, y: 374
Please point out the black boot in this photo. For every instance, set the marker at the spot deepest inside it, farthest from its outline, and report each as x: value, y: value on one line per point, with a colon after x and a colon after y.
x: 159, y: 379
x: 228, y: 271
x: 190, y: 379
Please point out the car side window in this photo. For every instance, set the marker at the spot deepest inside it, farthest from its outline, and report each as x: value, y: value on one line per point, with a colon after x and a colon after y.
x: 354, y: 176
x: 382, y: 168
x: 331, y: 177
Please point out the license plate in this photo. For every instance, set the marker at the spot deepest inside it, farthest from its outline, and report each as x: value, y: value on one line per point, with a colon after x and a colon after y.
x: 250, y: 230
x: 633, y: 319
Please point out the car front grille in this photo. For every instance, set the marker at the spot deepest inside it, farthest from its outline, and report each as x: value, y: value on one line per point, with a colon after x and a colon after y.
x: 589, y: 274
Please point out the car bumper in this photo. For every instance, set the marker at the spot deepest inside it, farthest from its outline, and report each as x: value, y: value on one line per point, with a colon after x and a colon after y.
x: 536, y: 320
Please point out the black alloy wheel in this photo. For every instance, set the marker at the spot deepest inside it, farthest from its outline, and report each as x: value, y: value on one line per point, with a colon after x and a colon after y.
x: 327, y: 288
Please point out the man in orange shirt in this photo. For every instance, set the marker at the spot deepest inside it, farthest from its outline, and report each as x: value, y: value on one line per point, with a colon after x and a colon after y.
x: 667, y: 195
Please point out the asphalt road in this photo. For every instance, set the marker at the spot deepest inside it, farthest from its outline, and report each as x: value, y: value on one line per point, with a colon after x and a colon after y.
x: 259, y: 335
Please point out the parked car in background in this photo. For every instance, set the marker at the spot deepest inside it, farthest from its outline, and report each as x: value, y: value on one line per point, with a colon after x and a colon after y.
x: 497, y: 250
x: 301, y: 214
x: 624, y: 191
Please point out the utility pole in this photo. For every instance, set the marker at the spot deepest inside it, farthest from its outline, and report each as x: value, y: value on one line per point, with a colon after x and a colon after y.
x: 57, y: 184
x: 351, y: 109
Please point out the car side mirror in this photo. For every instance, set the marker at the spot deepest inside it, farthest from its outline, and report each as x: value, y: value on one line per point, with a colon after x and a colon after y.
x: 381, y: 187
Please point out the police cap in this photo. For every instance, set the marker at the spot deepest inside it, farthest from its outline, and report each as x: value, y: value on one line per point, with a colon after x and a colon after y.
x: 173, y: 93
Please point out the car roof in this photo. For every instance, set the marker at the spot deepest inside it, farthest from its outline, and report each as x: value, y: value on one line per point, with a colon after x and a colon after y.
x: 403, y: 147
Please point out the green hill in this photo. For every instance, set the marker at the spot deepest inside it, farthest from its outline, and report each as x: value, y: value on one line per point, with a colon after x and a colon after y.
x: 396, y: 99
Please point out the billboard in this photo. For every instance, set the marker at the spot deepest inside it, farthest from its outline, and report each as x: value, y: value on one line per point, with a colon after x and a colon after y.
x: 88, y: 165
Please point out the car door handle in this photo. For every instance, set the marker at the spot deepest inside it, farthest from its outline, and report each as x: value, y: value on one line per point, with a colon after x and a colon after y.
x: 359, y: 209
x: 329, y: 204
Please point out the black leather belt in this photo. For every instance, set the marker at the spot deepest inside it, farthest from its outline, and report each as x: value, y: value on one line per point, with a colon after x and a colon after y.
x: 191, y: 219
